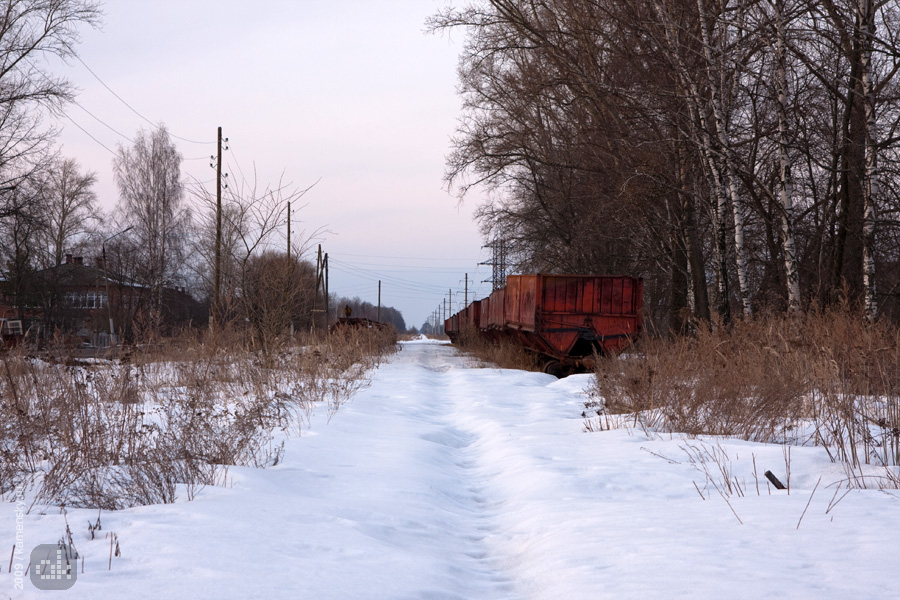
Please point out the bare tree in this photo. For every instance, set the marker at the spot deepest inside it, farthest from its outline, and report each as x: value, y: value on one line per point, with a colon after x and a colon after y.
x: 756, y: 140
x: 779, y: 42
x: 29, y: 31
x: 69, y: 204
x: 152, y: 201
x: 277, y: 290
x: 20, y: 229
x: 253, y: 216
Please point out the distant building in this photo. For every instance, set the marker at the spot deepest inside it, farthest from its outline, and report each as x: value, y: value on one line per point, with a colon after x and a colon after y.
x: 83, y: 300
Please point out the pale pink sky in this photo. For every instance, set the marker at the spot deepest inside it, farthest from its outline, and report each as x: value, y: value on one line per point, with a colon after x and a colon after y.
x: 351, y: 91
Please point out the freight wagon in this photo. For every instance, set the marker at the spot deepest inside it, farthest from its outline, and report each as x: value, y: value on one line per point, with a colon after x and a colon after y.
x: 565, y: 319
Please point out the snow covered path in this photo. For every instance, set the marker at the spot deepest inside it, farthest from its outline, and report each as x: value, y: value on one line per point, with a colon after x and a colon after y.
x: 443, y: 481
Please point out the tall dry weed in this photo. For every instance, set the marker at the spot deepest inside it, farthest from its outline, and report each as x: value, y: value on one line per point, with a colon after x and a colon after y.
x: 502, y: 353
x: 118, y: 434
x: 829, y: 378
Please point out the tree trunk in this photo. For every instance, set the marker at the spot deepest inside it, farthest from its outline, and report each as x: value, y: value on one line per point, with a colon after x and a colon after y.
x: 724, y: 140
x: 693, y: 244
x: 792, y: 277
x: 871, y: 181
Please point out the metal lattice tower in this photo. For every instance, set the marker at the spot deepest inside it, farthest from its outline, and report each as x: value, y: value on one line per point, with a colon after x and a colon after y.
x: 498, y: 262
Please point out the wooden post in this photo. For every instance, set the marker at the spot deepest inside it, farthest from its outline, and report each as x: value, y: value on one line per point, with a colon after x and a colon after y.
x: 778, y: 485
x: 217, y: 277
x: 312, y: 319
x: 326, y: 290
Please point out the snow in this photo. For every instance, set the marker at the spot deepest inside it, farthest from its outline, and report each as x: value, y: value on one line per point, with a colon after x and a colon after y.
x: 446, y: 481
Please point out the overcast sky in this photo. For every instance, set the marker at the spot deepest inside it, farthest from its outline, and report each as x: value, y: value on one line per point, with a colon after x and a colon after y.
x: 350, y: 91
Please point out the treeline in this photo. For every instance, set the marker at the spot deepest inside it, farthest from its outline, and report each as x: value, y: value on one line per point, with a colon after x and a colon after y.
x: 65, y: 262
x: 740, y: 155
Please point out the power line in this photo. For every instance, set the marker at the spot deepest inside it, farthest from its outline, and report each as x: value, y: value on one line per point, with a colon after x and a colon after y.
x: 399, y: 257
x: 237, y: 163
x: 407, y: 268
x: 411, y: 289
x: 71, y: 120
x: 400, y: 282
x: 79, y: 105
x: 131, y: 108
x: 102, y: 122
x: 375, y: 272
x: 397, y: 282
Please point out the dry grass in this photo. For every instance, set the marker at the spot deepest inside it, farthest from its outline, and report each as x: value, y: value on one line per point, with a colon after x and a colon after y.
x: 830, y: 378
x: 124, y: 433
x: 503, y: 353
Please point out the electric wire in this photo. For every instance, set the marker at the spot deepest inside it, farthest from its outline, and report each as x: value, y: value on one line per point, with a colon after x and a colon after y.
x: 102, y: 122
x: 398, y: 257
x: 376, y: 275
x: 71, y: 120
x: 405, y: 283
x: 237, y: 163
x: 131, y: 108
x: 79, y: 105
x: 399, y: 289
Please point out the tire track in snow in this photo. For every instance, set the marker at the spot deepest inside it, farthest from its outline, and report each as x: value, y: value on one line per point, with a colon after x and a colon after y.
x: 494, y: 423
x: 442, y: 375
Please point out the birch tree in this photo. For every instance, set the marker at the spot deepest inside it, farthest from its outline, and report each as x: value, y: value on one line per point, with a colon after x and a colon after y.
x: 865, y: 19
x: 152, y: 201
x: 753, y: 140
x: 779, y: 45
x: 69, y: 204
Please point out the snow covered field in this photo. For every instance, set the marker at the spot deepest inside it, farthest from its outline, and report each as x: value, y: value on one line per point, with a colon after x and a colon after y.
x: 443, y: 481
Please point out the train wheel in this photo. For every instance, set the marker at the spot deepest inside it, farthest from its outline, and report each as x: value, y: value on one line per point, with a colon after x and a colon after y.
x: 555, y: 368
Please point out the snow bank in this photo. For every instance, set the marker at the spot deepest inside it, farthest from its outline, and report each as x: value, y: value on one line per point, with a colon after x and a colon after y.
x: 442, y: 481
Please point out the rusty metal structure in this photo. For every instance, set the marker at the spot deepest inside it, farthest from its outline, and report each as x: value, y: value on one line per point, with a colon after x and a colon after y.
x: 566, y: 319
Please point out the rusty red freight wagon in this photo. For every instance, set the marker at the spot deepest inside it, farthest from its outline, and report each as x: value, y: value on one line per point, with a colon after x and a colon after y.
x: 570, y: 316
x: 469, y: 317
x: 565, y: 318
x: 451, y: 327
x: 473, y: 314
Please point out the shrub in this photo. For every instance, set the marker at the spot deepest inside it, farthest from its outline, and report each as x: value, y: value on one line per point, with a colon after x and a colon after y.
x: 119, y: 434
x: 829, y: 378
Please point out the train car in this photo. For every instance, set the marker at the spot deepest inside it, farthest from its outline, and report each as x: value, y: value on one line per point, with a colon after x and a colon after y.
x: 473, y: 315
x: 493, y: 318
x: 569, y: 317
x: 565, y: 318
x: 451, y: 327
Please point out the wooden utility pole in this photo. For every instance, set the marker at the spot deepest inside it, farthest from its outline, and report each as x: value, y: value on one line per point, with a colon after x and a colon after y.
x: 451, y: 302
x: 287, y: 273
x: 217, y: 283
x: 467, y: 290
x: 379, y: 301
x: 312, y: 320
x: 327, y: 301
